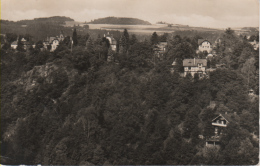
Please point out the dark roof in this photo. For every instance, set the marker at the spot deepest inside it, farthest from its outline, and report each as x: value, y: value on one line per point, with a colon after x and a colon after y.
x: 27, y: 43
x: 202, y: 40
x: 162, y: 43
x: 225, y: 117
x: 14, y: 43
x: 230, y: 117
x: 53, y: 41
x: 194, y: 62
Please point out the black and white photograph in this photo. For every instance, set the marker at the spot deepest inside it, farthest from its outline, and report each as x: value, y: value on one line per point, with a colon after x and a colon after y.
x: 129, y: 82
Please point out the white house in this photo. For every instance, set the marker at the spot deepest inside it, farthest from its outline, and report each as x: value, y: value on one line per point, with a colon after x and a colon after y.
x: 255, y: 44
x: 205, y: 45
x: 14, y: 44
x: 54, y: 45
x: 112, y: 41
x: 193, y: 66
x: 160, y: 48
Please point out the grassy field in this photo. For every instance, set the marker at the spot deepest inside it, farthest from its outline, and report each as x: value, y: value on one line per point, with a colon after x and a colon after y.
x: 143, y: 29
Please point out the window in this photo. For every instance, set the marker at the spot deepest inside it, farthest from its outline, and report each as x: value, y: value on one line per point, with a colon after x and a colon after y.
x: 189, y: 68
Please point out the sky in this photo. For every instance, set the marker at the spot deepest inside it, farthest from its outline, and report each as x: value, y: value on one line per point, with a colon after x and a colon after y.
x: 201, y: 13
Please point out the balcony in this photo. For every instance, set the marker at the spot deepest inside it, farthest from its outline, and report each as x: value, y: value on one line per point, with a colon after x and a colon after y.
x: 219, y: 124
x: 213, y: 139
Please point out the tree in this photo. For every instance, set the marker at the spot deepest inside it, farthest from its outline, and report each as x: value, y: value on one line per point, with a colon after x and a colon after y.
x: 20, y: 46
x: 133, y: 40
x: 248, y: 71
x: 89, y: 45
x: 154, y: 39
x: 75, y: 37
x: 39, y: 45
x: 229, y: 31
x: 246, y: 54
x: 66, y: 40
x: 10, y: 37
x: 163, y: 38
x: 122, y: 45
x: 126, y: 35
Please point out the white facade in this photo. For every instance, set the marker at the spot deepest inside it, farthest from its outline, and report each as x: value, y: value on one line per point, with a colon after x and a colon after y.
x: 111, y: 40
x: 194, y: 66
x: 54, y: 45
x: 14, y: 46
x: 112, y: 43
x: 205, y: 46
x: 192, y: 70
x: 255, y: 44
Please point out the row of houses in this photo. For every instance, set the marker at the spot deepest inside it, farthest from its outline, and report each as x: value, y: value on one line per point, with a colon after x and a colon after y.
x: 26, y: 44
x: 52, y: 42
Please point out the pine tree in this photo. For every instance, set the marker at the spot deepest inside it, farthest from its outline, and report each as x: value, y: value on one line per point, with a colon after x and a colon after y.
x: 89, y: 44
x: 20, y: 45
x: 122, y: 45
x: 75, y: 38
x: 154, y: 39
x: 126, y: 35
x: 133, y: 40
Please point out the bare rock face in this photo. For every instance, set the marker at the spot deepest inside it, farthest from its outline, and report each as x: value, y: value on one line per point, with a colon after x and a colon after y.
x: 45, y: 74
x: 37, y: 75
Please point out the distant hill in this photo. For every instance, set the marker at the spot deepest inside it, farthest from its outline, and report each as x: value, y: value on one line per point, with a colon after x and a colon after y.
x: 252, y: 29
x: 54, y: 19
x: 120, y: 21
x: 38, y: 28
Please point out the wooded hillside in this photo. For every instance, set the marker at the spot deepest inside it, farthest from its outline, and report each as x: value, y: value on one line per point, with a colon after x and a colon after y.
x: 76, y: 108
x: 120, y: 21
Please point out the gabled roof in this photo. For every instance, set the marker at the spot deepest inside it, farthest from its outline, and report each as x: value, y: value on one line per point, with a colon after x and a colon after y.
x: 223, y: 116
x: 14, y: 43
x: 194, y: 62
x: 53, y: 41
x: 200, y: 41
x: 162, y: 43
x: 27, y: 43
